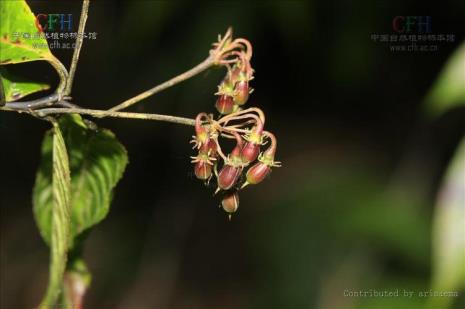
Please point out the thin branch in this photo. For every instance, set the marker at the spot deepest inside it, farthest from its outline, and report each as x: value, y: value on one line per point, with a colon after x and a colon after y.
x: 62, y: 72
x: 204, y: 65
x: 100, y: 113
x: 77, y: 49
x: 67, y: 104
x: 33, y: 104
x: 66, y: 80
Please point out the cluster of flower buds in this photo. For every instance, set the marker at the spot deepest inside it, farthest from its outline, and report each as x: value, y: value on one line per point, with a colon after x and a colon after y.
x: 234, y: 90
x: 249, y: 162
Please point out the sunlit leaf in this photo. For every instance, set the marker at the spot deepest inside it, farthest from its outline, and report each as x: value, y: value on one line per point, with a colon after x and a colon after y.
x: 16, y: 87
x: 19, y: 40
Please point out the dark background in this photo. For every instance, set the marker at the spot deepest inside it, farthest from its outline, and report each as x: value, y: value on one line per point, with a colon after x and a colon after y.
x: 351, y: 208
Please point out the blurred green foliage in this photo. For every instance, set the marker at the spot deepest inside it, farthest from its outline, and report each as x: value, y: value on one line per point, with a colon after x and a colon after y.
x: 449, y: 89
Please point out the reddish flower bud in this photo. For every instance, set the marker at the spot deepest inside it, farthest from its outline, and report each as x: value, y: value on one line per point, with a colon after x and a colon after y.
x: 208, y: 149
x: 228, y: 176
x: 225, y: 104
x: 251, y: 149
x: 203, y: 170
x: 257, y: 173
x: 241, y: 92
x: 250, y: 152
x: 260, y: 170
x: 230, y: 203
x: 201, y: 132
x: 234, y: 74
x: 235, y: 155
x: 212, y: 148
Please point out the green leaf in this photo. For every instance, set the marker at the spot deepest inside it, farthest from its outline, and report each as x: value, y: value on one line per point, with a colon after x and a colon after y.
x: 18, y: 21
x: 97, y: 162
x: 60, y: 217
x: 449, y: 89
x: 449, y: 232
x: 16, y: 87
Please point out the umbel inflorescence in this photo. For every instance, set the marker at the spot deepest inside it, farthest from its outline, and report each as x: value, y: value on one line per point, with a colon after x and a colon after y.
x: 253, y: 155
x: 251, y: 159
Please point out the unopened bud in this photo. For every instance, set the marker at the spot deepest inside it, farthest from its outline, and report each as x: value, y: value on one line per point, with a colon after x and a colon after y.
x: 202, y: 170
x: 241, y: 92
x: 230, y: 202
x: 257, y: 173
x: 212, y: 148
x: 201, y: 132
x: 228, y: 176
x: 225, y: 104
x: 250, y: 152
